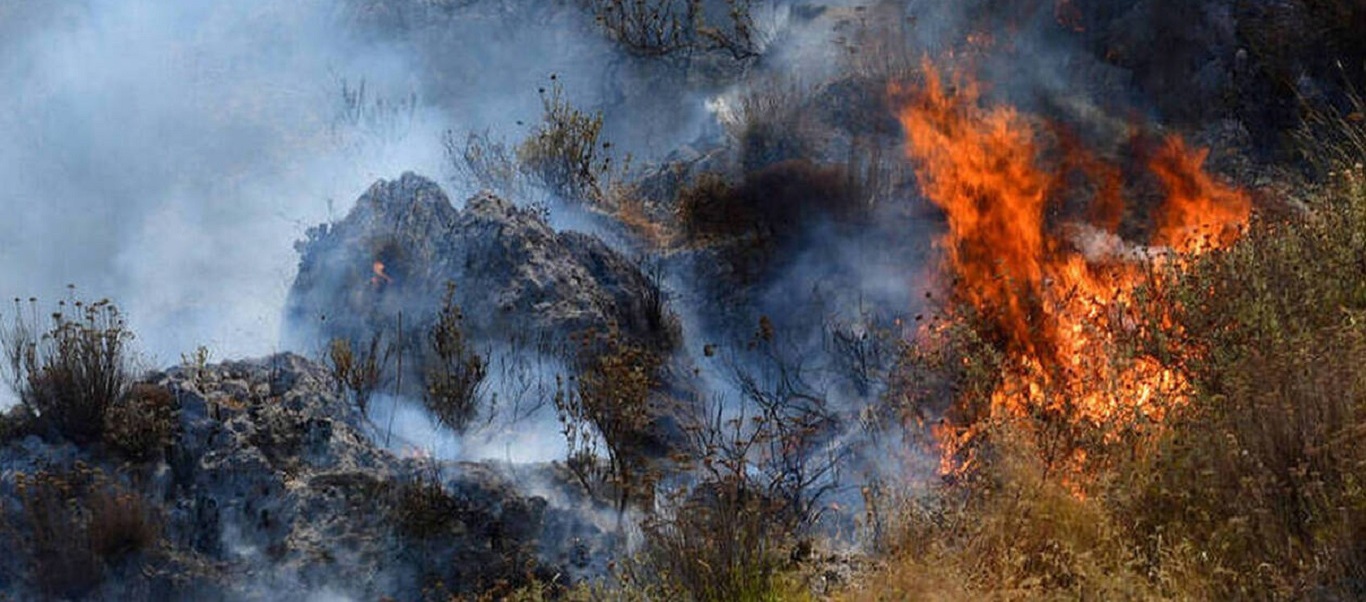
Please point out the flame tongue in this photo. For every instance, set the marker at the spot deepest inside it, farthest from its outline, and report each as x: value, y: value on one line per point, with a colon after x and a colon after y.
x: 978, y: 166
x: 1199, y: 213
x: 1050, y: 307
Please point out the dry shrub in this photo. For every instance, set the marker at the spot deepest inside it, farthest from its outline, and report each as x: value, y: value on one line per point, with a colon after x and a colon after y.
x: 1012, y: 532
x: 359, y: 369
x: 71, y: 374
x: 487, y: 162
x: 1257, y: 489
x: 454, y: 372
x: 140, y: 426
x: 718, y: 542
x: 76, y: 524
x: 610, y: 405
x: 564, y: 153
x: 16, y: 423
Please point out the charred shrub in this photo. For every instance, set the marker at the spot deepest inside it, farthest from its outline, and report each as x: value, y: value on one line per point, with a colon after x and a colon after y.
x: 768, y: 210
x: 773, y: 204
x: 683, y: 28
x: 453, y: 372
x: 77, y: 523
x: 70, y: 375
x: 140, y: 426
x: 16, y: 423
x: 422, y: 508
x: 648, y: 28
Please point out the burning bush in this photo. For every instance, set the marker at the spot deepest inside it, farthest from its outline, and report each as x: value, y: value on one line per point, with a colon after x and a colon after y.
x: 1053, y: 300
x: 1256, y: 486
x: 71, y: 374
x: 1244, y: 478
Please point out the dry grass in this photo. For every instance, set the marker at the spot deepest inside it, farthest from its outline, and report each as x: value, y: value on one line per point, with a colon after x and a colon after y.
x: 140, y: 426
x: 77, y: 523
x: 1254, y: 488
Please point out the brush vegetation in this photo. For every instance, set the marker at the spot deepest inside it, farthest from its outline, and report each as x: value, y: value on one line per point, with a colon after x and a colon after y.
x: 1250, y: 489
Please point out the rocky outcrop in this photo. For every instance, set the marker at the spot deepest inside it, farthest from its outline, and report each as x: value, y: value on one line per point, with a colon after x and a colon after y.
x: 403, y: 244
x: 273, y: 488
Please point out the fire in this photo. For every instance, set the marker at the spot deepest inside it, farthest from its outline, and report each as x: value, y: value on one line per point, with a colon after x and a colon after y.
x: 1053, y: 295
x: 1199, y: 213
x: 379, y: 279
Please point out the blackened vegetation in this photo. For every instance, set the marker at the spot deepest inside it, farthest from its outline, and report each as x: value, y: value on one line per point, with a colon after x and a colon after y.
x: 758, y: 219
x: 466, y: 538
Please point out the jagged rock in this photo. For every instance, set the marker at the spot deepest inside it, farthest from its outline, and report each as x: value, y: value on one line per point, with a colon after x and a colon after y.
x: 512, y: 273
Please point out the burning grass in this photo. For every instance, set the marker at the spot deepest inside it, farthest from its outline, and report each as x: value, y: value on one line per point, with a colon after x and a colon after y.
x: 1052, y: 291
x: 1202, y: 442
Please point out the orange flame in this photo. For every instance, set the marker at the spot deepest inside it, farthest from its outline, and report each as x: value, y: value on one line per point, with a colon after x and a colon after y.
x: 379, y: 278
x: 1199, y: 214
x: 1052, y: 295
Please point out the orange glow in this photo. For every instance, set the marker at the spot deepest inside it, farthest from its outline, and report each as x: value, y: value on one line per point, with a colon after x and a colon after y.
x: 379, y: 278
x: 1052, y: 293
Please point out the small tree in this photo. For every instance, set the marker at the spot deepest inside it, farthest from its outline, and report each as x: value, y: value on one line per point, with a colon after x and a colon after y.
x: 69, y: 376
x: 454, y: 372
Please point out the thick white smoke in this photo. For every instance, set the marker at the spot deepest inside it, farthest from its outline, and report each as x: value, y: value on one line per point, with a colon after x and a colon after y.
x: 166, y: 154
